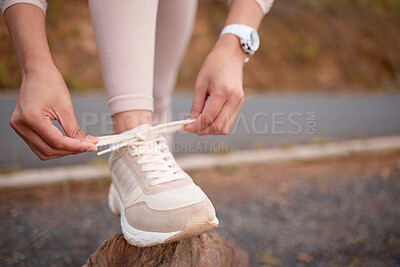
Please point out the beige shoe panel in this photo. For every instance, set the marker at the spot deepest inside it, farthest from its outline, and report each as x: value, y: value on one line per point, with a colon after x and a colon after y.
x: 173, y: 199
x: 143, y: 182
x: 121, y: 175
x: 141, y: 217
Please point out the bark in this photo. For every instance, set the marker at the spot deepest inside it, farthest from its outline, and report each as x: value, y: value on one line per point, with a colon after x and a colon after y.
x: 208, y: 249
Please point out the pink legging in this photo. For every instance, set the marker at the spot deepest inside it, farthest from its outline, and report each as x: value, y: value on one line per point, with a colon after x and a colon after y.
x: 141, y: 44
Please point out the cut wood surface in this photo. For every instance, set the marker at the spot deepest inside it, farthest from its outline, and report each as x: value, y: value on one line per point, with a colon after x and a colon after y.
x: 208, y: 249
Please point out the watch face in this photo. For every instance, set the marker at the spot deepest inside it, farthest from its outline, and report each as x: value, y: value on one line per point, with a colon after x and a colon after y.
x: 254, y: 41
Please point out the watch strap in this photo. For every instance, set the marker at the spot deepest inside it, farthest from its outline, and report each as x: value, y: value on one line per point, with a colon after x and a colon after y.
x: 242, y: 32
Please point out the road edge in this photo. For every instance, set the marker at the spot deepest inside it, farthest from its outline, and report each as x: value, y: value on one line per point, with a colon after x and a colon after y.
x: 307, y: 152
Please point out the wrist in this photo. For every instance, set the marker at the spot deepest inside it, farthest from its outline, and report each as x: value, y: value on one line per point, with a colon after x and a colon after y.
x: 34, y: 64
x: 229, y: 44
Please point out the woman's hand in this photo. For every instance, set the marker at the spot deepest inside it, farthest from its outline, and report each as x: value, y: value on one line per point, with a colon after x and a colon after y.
x: 44, y: 97
x: 220, y: 82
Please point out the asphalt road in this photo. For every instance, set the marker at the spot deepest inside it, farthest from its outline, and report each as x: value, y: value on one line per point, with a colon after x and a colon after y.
x: 340, y: 212
x: 264, y: 121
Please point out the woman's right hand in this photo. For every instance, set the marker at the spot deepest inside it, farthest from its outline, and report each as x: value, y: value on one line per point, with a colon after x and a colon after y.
x: 43, y: 97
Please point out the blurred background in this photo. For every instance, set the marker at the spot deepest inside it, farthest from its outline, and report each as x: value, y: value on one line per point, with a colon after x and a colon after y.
x: 327, y: 71
x: 336, y: 60
x: 307, y: 46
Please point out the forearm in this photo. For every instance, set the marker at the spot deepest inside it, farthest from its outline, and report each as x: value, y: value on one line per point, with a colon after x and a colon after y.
x: 246, y: 12
x: 26, y: 25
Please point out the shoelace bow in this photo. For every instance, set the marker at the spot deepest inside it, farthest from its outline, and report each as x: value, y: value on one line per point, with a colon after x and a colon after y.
x: 154, y: 155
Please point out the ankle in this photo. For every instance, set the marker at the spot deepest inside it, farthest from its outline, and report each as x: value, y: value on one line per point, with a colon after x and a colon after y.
x: 127, y: 120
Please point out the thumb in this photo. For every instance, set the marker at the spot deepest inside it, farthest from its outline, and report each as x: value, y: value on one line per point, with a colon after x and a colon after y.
x: 71, y: 128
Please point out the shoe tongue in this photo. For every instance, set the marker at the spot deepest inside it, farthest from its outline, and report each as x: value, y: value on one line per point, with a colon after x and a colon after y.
x: 142, y: 128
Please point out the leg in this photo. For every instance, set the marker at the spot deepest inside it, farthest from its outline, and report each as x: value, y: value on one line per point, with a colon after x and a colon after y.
x: 175, y: 21
x: 125, y: 35
x: 156, y: 200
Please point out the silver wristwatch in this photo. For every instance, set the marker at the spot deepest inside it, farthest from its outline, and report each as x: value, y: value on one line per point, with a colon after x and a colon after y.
x: 248, y: 37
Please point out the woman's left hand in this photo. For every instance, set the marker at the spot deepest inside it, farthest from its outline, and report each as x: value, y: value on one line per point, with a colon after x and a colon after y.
x: 220, y: 82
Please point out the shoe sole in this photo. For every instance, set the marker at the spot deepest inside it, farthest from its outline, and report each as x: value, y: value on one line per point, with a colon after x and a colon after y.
x: 194, y: 226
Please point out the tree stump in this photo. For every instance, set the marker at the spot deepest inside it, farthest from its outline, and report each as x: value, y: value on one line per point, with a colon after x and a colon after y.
x: 208, y: 249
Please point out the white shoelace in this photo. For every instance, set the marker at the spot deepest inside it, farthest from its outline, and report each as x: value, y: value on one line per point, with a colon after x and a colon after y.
x: 151, y: 149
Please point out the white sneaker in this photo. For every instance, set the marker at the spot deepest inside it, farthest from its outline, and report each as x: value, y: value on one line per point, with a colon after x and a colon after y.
x: 158, y: 202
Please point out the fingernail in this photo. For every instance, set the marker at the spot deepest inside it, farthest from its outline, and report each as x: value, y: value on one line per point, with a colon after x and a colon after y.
x: 91, y: 148
x: 193, y: 116
x: 92, y: 139
x: 188, y: 129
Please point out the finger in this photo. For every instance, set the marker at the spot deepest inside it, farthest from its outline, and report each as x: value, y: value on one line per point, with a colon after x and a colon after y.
x: 226, y: 118
x: 211, y: 110
x: 38, y: 145
x: 43, y: 150
x: 199, y: 100
x: 52, y: 136
x: 224, y: 121
x: 71, y: 128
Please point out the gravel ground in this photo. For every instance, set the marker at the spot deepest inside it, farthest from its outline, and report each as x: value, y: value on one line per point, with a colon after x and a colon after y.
x: 339, y: 212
